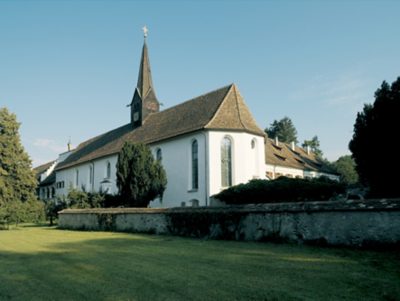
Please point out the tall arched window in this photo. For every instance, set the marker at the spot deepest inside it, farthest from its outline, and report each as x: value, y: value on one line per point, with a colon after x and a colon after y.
x: 108, y: 171
x: 159, y: 154
x: 226, y: 162
x: 195, y: 165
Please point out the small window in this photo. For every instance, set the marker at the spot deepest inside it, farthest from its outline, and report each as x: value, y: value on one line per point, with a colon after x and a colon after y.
x: 53, y: 192
x: 159, y: 154
x: 195, y: 203
x: 253, y: 143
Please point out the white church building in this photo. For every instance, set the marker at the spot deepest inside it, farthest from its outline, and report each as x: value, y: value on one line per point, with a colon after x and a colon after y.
x: 205, y: 144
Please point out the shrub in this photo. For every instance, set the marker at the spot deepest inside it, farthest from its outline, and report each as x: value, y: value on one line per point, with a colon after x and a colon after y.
x: 31, y: 211
x: 53, y: 207
x: 281, y: 190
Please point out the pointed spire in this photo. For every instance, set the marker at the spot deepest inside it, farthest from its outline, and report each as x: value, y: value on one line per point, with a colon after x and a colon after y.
x: 145, y: 82
x: 144, y: 101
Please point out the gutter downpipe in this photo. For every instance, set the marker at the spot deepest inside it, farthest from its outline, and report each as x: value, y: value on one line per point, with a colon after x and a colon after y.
x: 206, y: 169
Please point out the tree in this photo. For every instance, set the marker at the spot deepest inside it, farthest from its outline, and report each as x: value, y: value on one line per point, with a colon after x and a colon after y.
x: 17, y: 179
x: 283, y: 129
x: 140, y: 178
x: 346, y: 167
x: 314, y: 145
x: 373, y: 142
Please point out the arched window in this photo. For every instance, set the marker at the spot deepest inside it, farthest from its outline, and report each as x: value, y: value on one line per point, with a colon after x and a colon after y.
x: 195, y: 165
x: 108, y: 170
x: 226, y: 162
x: 159, y: 154
x: 254, y: 147
x: 76, y: 178
x: 91, y: 174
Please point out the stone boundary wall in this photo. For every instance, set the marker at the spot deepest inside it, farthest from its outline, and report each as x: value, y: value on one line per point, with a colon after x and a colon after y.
x: 368, y: 223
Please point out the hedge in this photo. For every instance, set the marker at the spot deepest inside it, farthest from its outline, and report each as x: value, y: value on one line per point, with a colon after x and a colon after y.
x: 282, y: 189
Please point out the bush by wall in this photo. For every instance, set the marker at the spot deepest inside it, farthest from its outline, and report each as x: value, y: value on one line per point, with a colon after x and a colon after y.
x: 281, y: 190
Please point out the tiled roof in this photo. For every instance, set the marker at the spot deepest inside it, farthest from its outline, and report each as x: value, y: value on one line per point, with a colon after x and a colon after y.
x: 50, y: 179
x: 222, y: 109
x: 42, y: 168
x: 283, y: 155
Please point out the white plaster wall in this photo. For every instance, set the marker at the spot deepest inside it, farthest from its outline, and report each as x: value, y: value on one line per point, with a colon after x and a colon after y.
x: 100, y: 168
x: 176, y: 159
x: 285, y: 171
x: 247, y: 163
x: 295, y: 172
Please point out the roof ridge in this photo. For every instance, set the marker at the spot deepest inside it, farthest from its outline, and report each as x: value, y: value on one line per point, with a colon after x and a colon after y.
x: 191, y: 99
x: 220, y: 105
x: 237, y: 105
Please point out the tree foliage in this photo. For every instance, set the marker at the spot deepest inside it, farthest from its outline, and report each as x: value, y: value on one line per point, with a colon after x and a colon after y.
x: 140, y: 178
x: 17, y: 179
x: 346, y: 167
x: 314, y: 146
x: 283, y: 129
x: 18, y: 202
x: 374, y: 137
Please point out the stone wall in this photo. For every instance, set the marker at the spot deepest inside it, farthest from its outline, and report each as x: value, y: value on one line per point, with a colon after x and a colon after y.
x: 350, y: 223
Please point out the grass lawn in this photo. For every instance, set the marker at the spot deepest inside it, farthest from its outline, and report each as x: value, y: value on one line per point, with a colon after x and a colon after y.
x: 44, y: 263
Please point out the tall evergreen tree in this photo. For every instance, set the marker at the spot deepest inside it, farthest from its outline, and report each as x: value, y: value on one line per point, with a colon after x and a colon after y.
x: 374, y: 139
x: 17, y: 179
x: 283, y: 129
x: 314, y: 145
x: 140, y: 178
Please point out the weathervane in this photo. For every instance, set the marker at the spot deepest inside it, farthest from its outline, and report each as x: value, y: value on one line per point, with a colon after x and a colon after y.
x: 145, y: 31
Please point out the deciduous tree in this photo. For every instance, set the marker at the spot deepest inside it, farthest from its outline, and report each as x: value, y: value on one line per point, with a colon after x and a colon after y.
x: 314, y: 145
x: 283, y: 129
x: 346, y: 167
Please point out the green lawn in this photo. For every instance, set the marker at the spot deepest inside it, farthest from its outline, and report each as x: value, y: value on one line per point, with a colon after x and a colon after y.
x: 41, y: 263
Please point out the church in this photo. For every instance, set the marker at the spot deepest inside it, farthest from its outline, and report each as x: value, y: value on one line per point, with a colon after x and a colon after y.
x: 205, y: 144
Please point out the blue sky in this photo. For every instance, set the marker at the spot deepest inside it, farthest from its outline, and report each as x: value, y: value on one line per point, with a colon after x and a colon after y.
x: 69, y: 68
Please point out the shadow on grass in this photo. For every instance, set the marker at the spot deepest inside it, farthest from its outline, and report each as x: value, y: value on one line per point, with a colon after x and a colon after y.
x: 142, y: 267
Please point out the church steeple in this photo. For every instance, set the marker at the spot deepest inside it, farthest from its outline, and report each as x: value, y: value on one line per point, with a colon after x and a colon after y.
x: 144, y: 101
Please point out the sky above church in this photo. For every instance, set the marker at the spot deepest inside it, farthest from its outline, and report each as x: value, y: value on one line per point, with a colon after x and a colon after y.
x: 69, y: 68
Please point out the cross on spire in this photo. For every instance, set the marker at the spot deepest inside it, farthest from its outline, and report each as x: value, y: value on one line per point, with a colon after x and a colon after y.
x: 145, y: 31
